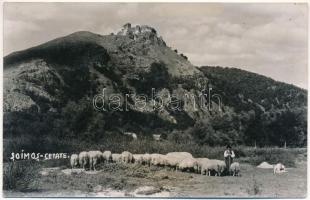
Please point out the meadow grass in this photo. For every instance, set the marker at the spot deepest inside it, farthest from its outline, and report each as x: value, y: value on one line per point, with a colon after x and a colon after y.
x: 19, y: 175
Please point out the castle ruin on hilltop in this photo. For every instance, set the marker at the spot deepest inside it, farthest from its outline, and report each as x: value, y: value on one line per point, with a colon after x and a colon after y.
x: 141, y: 32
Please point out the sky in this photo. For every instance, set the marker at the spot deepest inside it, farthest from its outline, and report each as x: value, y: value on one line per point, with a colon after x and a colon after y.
x: 267, y: 38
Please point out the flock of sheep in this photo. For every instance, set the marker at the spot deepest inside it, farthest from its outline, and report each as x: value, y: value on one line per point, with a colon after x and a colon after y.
x: 182, y: 161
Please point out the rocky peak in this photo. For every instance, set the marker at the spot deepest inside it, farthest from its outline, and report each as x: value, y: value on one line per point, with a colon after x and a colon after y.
x: 141, y: 32
x: 137, y: 30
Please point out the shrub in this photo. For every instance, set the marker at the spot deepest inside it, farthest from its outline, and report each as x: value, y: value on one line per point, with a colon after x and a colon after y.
x: 18, y: 175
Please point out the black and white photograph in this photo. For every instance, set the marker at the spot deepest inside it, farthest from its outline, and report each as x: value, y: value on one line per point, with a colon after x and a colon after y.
x: 155, y: 99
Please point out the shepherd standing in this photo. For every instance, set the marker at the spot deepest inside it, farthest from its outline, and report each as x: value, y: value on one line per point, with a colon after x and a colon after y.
x: 229, y: 156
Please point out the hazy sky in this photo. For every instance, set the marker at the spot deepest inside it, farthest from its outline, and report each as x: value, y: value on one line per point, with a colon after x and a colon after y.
x: 270, y: 39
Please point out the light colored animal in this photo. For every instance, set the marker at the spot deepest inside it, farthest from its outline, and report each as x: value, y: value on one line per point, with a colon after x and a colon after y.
x: 147, y: 159
x: 213, y: 166
x: 201, y: 161
x: 156, y: 137
x: 172, y: 161
x: 116, y: 157
x: 83, y: 159
x: 278, y: 168
x: 158, y: 159
x: 174, y: 158
x: 180, y: 154
x: 74, y: 160
x: 204, y: 166
x: 188, y: 164
x: 234, y: 169
x: 221, y: 165
x: 133, y: 135
x: 138, y: 158
x: 94, y: 158
x: 126, y: 157
x: 107, y: 156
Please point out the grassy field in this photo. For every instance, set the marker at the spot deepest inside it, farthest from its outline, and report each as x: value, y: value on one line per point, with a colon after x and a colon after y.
x: 33, y: 178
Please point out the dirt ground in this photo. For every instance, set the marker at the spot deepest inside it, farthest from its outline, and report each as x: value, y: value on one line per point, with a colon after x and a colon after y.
x: 132, y: 180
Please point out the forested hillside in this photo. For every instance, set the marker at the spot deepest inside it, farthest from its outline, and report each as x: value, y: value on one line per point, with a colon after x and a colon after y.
x: 280, y: 109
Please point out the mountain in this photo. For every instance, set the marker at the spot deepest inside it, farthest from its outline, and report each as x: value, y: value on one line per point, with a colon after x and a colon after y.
x: 51, y: 93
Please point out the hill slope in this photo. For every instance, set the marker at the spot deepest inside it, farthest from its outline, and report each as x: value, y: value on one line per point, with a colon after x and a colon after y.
x: 49, y: 92
x: 280, y: 109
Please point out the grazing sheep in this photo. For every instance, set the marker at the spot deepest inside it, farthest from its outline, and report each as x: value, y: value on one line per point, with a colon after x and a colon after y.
x: 94, y: 158
x: 74, y: 160
x: 133, y: 135
x: 163, y: 160
x: 156, y: 137
x: 213, y: 166
x: 146, y: 159
x: 158, y: 159
x: 278, y: 168
x: 221, y: 166
x: 173, y: 161
x: 83, y: 159
x: 116, y: 157
x: 209, y: 168
x: 174, y: 158
x: 205, y: 166
x: 201, y: 161
x: 234, y: 169
x: 138, y: 158
x: 107, y: 156
x: 188, y: 164
x: 180, y: 154
x: 126, y: 157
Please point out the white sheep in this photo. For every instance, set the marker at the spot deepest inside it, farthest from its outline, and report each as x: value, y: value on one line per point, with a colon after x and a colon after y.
x: 221, y: 166
x: 174, y: 158
x: 94, y: 158
x: 216, y: 166
x: 116, y: 157
x: 107, y: 156
x: 234, y: 169
x: 137, y: 158
x: 278, y: 168
x: 146, y: 159
x: 158, y: 159
x: 74, y: 160
x: 126, y: 157
x: 201, y: 161
x: 190, y: 164
x: 172, y: 161
x: 133, y: 135
x: 204, y: 167
x: 156, y: 137
x: 180, y: 154
x: 83, y: 159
